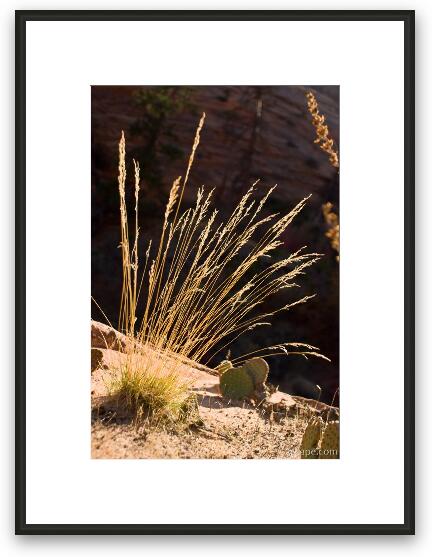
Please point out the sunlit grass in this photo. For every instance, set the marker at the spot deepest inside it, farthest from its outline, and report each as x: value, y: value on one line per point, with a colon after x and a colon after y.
x: 202, y: 287
x: 151, y: 395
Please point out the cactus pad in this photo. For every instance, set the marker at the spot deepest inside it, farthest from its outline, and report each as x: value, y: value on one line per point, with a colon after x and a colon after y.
x: 330, y: 441
x: 310, y: 440
x: 258, y: 369
x: 236, y: 383
x: 224, y: 366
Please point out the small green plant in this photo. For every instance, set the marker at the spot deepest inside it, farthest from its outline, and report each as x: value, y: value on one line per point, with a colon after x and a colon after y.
x: 224, y: 366
x: 258, y: 369
x: 320, y: 440
x: 311, y: 438
x: 330, y: 441
x: 236, y: 383
x: 244, y: 381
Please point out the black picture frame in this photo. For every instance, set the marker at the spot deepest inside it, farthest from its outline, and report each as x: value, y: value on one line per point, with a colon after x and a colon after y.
x: 21, y: 17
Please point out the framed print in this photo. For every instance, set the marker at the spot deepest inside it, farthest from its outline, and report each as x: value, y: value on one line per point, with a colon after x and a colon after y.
x: 215, y: 272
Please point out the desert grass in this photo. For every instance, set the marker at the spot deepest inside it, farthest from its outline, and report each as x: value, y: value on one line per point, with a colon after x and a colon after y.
x: 153, y: 397
x: 323, y: 138
x: 203, y: 285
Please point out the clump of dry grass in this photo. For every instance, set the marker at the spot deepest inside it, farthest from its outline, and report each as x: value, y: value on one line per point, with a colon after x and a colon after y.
x: 322, y: 130
x: 157, y: 397
x: 202, y: 288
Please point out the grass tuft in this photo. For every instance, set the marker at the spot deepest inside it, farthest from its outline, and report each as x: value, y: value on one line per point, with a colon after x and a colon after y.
x: 152, y: 396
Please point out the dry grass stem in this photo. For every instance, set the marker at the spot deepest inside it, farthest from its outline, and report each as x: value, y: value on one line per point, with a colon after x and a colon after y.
x: 322, y: 131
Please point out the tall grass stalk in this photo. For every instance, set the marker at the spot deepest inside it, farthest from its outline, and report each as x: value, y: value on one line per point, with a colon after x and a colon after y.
x: 203, y: 288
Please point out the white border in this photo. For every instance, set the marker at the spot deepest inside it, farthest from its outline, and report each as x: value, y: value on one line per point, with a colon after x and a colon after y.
x: 63, y: 59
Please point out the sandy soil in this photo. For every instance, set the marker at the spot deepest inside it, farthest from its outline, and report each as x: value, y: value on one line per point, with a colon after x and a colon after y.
x: 228, y: 432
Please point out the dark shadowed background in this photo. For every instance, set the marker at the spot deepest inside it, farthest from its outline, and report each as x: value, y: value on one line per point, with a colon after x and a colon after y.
x: 250, y: 133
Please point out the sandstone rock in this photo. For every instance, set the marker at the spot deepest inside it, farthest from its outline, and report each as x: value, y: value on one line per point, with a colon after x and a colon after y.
x: 104, y: 336
x: 96, y: 358
x: 325, y: 411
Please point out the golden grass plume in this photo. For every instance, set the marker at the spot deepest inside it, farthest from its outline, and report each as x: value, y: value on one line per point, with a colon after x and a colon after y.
x: 204, y: 285
x: 322, y: 131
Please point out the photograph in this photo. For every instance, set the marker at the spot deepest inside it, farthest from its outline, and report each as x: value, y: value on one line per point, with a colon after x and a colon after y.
x: 215, y: 259
x: 184, y: 176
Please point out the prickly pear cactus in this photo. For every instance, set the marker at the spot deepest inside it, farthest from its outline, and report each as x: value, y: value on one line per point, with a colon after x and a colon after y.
x: 330, y: 441
x: 224, y: 366
x: 311, y: 438
x: 236, y: 383
x: 258, y: 369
